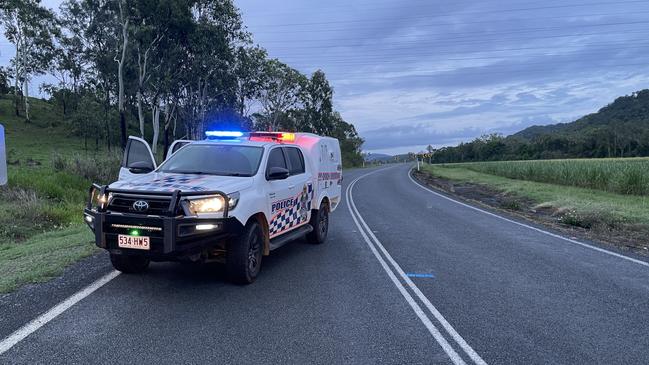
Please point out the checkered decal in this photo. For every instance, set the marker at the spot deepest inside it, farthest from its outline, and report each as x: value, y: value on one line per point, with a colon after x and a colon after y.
x: 293, y: 215
x: 170, y: 183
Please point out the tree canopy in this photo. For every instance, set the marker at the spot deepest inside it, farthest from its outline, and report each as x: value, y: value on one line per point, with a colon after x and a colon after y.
x: 163, y: 70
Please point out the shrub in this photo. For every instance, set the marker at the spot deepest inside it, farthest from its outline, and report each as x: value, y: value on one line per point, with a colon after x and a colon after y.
x: 59, y: 162
x: 96, y: 168
x: 100, y: 169
x: 24, y: 213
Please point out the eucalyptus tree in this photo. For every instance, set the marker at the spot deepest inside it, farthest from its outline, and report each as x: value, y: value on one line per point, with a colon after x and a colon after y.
x: 68, y: 66
x: 166, y: 27
x: 120, y: 58
x: 209, y: 80
x: 4, y: 81
x: 30, y: 27
x: 249, y: 69
x: 149, y: 28
x: 350, y: 140
x: 280, y: 93
x: 317, y: 97
x: 92, y: 26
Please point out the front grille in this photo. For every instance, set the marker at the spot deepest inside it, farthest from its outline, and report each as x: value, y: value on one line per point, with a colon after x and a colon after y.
x: 124, y: 204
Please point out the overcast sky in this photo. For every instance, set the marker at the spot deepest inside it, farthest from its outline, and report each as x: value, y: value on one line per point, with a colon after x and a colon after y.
x: 412, y: 73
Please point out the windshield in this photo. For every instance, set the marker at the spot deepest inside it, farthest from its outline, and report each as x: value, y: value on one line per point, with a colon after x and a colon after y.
x: 225, y: 160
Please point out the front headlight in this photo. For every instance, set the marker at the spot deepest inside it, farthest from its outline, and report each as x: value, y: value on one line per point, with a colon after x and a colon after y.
x: 212, y: 204
x: 102, y: 200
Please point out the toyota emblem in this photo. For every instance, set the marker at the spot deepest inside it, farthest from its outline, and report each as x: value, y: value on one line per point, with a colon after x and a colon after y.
x: 140, y: 206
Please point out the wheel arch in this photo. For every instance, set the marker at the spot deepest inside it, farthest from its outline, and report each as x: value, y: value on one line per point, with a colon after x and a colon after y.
x: 323, y: 199
x: 260, y: 218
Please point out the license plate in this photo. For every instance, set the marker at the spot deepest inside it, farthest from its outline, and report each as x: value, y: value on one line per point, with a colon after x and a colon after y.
x: 135, y: 242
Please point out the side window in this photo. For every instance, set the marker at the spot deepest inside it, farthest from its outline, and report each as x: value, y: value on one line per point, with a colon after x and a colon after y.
x: 137, y: 152
x: 276, y: 159
x: 178, y: 146
x: 295, y: 159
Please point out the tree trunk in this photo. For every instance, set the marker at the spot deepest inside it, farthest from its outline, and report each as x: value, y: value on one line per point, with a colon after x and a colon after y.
x: 140, y: 112
x: 168, y: 112
x: 17, y: 80
x: 26, y: 97
x: 16, y: 98
x: 273, y: 125
x: 156, y: 127
x: 166, y: 142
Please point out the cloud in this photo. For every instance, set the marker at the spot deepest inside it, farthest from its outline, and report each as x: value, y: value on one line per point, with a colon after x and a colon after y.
x: 409, y: 74
x: 440, y: 73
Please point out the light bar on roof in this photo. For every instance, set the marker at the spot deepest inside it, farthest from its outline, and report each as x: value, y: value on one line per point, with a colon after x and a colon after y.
x: 223, y: 134
x: 273, y: 136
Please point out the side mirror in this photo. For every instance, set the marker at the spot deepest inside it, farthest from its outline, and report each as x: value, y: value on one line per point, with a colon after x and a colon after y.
x: 277, y: 173
x: 140, y: 167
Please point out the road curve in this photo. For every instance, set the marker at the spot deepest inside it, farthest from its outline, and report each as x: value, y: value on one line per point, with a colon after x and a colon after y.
x: 515, y: 295
x: 406, y: 277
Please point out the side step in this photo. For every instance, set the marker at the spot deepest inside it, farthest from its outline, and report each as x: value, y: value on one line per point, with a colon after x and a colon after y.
x: 280, y: 241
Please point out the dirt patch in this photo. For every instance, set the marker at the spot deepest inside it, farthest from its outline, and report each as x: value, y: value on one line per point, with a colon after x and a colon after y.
x: 595, y: 227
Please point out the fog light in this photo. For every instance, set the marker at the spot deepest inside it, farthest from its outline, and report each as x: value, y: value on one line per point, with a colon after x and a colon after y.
x: 90, y: 221
x: 206, y: 227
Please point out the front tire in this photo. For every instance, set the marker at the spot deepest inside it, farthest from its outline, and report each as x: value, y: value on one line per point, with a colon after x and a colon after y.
x: 129, y: 264
x: 320, y: 224
x: 244, y: 254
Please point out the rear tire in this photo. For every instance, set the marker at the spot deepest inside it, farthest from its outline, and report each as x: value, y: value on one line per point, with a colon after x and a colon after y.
x: 129, y: 264
x: 320, y: 224
x: 244, y: 254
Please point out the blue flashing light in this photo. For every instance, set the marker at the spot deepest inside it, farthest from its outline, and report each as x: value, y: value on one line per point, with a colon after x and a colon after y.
x: 223, y: 134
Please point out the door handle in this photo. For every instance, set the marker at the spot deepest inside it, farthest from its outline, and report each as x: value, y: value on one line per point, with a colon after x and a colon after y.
x: 291, y: 187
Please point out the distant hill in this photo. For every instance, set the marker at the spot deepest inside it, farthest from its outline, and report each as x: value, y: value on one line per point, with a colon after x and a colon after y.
x: 626, y: 111
x: 620, y: 129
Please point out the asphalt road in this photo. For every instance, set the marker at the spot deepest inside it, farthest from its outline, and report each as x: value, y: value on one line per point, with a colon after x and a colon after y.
x: 407, y: 277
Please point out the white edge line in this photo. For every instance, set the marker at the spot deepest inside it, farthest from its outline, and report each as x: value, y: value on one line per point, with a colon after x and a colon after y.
x: 53, y: 312
x: 639, y: 262
x: 415, y: 307
x: 447, y: 326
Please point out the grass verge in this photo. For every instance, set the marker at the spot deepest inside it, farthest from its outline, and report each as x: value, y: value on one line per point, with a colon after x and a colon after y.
x: 50, y: 170
x: 43, y: 256
x: 617, y: 219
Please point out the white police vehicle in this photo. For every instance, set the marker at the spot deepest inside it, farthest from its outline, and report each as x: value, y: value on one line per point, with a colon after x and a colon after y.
x: 233, y: 198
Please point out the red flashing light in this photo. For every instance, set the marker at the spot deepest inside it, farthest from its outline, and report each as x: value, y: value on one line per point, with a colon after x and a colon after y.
x: 281, y: 137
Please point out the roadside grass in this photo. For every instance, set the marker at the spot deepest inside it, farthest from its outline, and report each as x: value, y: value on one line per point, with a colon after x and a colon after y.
x: 41, y: 229
x: 43, y: 256
x: 616, y: 175
x: 581, y: 207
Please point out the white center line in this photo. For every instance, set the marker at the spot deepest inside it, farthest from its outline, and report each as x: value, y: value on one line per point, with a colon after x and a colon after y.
x: 374, y: 242
x: 54, y: 312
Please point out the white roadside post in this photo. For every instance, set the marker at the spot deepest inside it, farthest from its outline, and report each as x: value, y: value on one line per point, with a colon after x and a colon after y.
x: 417, y: 163
x: 3, y: 157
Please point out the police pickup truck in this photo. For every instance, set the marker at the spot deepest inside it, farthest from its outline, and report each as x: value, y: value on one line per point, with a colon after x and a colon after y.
x: 233, y: 198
